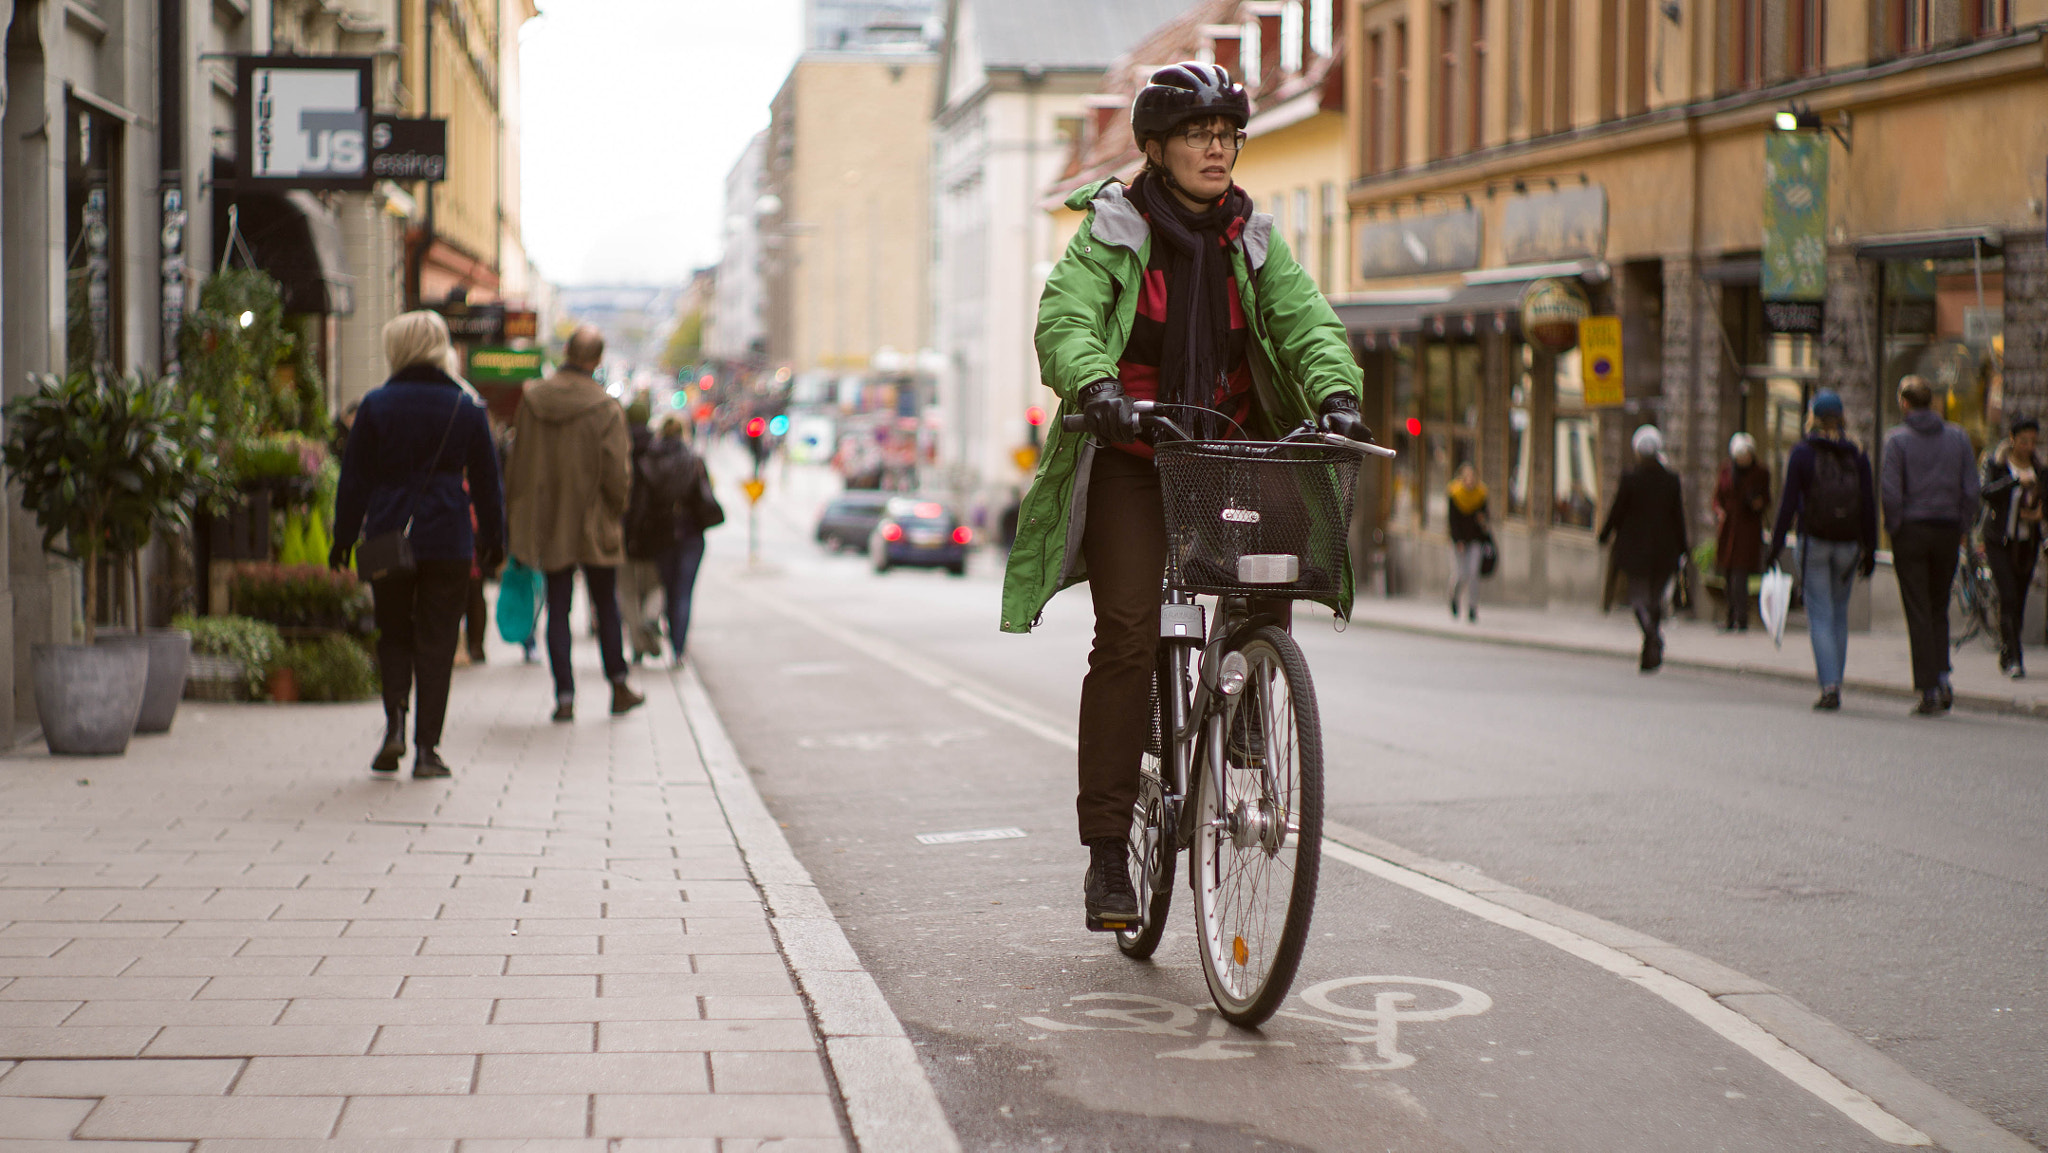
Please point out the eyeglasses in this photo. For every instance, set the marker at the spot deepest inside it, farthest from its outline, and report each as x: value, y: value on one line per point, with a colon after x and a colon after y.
x: 1199, y: 139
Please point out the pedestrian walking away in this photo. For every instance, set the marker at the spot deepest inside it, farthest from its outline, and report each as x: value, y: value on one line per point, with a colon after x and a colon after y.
x: 1741, y: 494
x: 1930, y: 492
x: 1471, y: 536
x: 420, y: 462
x: 1829, y: 496
x: 566, y: 491
x: 638, y: 577
x: 1174, y: 290
x: 1646, y: 524
x: 2012, y: 533
x: 672, y: 506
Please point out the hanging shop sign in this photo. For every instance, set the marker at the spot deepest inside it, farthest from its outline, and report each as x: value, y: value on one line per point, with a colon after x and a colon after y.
x: 503, y: 365
x: 408, y: 150
x: 466, y: 321
x: 303, y: 121
x: 1795, y: 271
x: 1600, y: 361
x: 1545, y: 227
x: 521, y: 324
x: 1445, y: 243
x: 1551, y: 311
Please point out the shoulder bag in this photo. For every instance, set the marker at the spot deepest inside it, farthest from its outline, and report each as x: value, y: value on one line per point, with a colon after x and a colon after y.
x: 390, y: 553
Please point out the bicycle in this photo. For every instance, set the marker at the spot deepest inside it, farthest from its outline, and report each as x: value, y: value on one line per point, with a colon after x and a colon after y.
x: 1257, y: 525
x: 1973, y: 598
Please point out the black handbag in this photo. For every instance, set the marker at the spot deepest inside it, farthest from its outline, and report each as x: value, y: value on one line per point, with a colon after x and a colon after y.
x: 390, y: 553
x: 1489, y: 555
x: 704, y: 504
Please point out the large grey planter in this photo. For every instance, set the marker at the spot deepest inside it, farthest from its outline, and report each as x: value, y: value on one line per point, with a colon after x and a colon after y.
x: 88, y: 696
x: 170, y: 654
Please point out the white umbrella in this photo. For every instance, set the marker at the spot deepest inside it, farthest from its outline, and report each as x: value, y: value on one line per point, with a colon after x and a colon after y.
x: 1775, y: 601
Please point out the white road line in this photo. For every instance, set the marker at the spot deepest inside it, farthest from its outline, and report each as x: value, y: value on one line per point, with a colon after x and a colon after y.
x: 1688, y: 998
x: 1691, y: 1000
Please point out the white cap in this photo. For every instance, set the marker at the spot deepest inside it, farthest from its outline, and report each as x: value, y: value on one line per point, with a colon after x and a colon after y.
x: 1740, y: 443
x: 1647, y: 440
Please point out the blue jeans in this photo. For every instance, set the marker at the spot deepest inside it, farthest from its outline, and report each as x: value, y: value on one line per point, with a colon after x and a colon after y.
x: 602, y: 582
x: 678, y: 567
x: 1828, y: 573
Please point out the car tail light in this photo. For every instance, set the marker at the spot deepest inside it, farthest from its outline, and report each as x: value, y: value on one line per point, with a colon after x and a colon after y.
x: 928, y: 511
x: 963, y: 535
x: 892, y: 532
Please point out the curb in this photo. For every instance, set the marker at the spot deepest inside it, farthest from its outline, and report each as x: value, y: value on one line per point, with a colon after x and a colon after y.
x: 1951, y: 1124
x: 1976, y: 702
x: 890, y: 1103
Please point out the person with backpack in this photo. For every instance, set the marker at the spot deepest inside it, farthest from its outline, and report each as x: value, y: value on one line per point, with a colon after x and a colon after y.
x: 2012, y: 533
x: 1829, y: 493
x: 673, y: 505
x: 1930, y: 495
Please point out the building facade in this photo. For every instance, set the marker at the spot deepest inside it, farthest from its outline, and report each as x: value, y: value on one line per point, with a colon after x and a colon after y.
x: 1633, y: 157
x: 735, y: 331
x: 1013, y: 84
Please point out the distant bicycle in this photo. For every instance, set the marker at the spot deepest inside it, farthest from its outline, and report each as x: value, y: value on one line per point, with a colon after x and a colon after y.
x: 1234, y: 726
x: 1973, y: 598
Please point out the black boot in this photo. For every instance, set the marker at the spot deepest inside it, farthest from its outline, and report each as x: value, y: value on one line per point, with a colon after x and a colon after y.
x: 1112, y: 903
x: 394, y: 743
x: 428, y: 766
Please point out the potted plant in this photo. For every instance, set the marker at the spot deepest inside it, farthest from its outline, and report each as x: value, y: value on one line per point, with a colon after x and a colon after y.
x: 231, y: 656
x: 101, y: 460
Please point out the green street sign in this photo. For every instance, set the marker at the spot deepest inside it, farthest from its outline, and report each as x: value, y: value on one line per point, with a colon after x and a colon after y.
x: 504, y: 365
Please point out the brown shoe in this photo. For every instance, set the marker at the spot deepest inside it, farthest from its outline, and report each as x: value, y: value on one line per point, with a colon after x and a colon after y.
x: 624, y: 699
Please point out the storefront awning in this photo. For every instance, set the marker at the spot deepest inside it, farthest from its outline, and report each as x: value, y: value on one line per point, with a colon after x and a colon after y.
x: 1941, y: 244
x: 1497, y: 304
x: 1383, y: 313
x: 297, y: 240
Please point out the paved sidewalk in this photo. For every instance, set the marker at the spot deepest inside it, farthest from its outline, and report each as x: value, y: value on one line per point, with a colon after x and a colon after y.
x: 1879, y: 660
x: 236, y: 937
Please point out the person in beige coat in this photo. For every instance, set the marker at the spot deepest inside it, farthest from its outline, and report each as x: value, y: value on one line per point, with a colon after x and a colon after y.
x: 566, y: 485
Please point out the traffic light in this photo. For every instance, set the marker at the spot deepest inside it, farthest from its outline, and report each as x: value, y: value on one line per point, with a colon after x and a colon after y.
x: 705, y: 382
x: 757, y: 440
x: 757, y: 427
x: 778, y: 425
x: 1034, y: 417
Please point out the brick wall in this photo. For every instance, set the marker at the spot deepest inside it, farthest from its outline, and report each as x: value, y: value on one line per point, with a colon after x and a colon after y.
x: 2026, y: 323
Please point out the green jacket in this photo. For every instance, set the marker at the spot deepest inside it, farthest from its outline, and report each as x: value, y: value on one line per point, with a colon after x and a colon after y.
x: 1298, y: 350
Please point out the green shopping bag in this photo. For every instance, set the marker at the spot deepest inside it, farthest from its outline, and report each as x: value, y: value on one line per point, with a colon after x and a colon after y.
x: 519, y: 601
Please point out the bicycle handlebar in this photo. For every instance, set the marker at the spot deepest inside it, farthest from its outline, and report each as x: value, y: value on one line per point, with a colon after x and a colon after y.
x: 1147, y: 416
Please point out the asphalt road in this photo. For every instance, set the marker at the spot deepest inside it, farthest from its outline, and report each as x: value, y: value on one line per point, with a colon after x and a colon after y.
x: 1891, y: 874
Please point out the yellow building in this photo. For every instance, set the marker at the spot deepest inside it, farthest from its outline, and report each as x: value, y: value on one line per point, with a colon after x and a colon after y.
x: 844, y: 222
x: 1620, y: 148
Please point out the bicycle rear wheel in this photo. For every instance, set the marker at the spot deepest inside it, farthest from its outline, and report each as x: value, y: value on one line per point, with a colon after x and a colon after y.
x: 1152, y: 849
x: 1258, y: 849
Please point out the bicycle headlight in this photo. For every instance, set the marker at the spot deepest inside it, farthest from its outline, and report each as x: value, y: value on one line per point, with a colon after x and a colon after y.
x: 1230, y: 677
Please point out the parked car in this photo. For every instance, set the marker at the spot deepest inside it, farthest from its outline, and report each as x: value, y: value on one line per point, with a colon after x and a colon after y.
x: 849, y: 519
x: 920, y: 533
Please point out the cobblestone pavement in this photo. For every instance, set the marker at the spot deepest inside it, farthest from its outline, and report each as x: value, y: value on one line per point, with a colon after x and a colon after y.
x: 234, y: 937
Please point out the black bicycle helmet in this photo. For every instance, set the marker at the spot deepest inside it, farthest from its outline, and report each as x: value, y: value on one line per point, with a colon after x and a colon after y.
x: 1185, y: 91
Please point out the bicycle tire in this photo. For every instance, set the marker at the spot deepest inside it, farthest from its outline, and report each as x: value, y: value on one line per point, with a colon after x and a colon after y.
x: 1246, y: 852
x: 1152, y: 849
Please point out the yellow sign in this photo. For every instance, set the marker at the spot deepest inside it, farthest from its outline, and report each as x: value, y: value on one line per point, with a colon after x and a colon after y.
x: 1600, y: 361
x: 754, y: 489
x: 1026, y: 457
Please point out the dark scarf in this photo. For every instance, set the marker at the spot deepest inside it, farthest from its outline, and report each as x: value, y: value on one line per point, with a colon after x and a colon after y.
x: 1196, y: 250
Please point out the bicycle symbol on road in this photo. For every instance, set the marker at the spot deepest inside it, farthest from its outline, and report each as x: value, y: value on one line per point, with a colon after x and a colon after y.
x: 1392, y: 1004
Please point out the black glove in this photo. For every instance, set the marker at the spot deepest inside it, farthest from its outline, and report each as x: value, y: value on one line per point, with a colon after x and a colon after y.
x: 1340, y: 415
x: 337, y: 557
x: 1110, y: 415
x: 1868, y: 565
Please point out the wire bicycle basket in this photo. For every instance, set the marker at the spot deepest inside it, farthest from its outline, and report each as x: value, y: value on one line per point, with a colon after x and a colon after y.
x: 1252, y: 518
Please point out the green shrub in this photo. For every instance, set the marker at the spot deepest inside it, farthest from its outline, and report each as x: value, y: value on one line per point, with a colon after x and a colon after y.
x: 299, y: 596
x: 333, y: 668
x: 254, y: 643
x: 278, y: 456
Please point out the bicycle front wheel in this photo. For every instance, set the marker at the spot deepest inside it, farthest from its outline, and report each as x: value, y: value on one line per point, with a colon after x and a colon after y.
x: 1258, y: 844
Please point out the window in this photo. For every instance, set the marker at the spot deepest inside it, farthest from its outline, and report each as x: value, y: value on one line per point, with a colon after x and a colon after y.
x: 1249, y: 53
x: 1475, y: 129
x: 1550, y: 66
x: 1575, y: 468
x: 1986, y: 17
x: 1446, y: 80
x: 1906, y: 25
x: 1376, y: 107
x: 1450, y: 417
x: 1625, y: 81
x: 1561, y: 72
x: 1809, y: 36
x: 1746, y: 43
x: 1400, y: 94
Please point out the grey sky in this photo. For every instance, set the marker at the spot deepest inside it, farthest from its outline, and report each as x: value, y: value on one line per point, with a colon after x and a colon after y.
x: 632, y: 112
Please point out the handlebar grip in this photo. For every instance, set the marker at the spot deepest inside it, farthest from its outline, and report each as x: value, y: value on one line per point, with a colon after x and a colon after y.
x: 1074, y: 422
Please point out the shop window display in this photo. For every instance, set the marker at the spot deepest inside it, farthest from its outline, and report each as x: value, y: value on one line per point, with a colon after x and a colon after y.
x: 1575, y: 469
x: 1450, y: 417
x: 1944, y: 321
x: 1519, y: 444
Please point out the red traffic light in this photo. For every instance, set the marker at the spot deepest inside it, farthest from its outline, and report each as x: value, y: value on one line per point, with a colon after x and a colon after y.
x: 1034, y: 416
x: 1414, y: 427
x: 757, y: 426
x: 705, y: 382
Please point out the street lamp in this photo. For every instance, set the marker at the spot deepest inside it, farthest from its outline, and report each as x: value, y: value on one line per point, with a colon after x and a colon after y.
x: 1801, y: 118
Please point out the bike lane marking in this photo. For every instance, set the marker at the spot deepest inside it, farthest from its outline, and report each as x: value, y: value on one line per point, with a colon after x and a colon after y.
x: 1738, y: 1029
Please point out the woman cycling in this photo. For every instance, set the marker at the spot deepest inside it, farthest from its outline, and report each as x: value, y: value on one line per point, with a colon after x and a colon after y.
x: 1174, y: 290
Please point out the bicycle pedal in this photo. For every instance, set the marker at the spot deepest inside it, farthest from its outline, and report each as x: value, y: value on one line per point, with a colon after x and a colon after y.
x: 1111, y: 924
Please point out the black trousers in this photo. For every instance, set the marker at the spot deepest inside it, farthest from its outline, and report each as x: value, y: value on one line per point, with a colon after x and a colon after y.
x: 1924, y: 556
x: 419, y: 615
x: 1738, y: 598
x: 1124, y: 545
x: 2012, y: 566
x: 476, y: 618
x: 602, y: 582
x: 1646, y: 597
